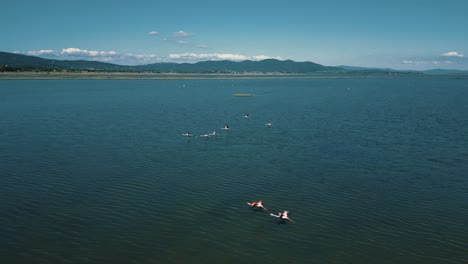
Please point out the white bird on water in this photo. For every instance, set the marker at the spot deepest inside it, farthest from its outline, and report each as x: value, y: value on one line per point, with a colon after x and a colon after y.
x: 187, y: 134
x: 283, y: 215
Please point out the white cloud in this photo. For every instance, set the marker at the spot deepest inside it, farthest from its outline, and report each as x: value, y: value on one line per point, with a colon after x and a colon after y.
x: 139, y: 59
x: 153, y: 33
x: 41, y: 52
x: 104, y: 56
x: 452, y: 54
x: 227, y: 56
x: 263, y: 57
x: 92, y: 53
x: 214, y: 56
x: 444, y: 60
x: 197, y: 57
x: 73, y: 51
x: 182, y: 42
x: 182, y: 33
x: 202, y: 46
x: 425, y: 63
x: 415, y: 62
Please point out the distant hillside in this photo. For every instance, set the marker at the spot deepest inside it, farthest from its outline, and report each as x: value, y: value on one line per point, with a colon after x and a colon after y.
x: 354, y: 69
x: 264, y: 66
x: 13, y: 62
x: 445, y: 71
x: 351, y: 69
x: 357, y: 68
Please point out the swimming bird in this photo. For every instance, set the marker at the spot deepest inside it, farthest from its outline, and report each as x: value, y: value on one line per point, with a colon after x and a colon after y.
x: 187, y: 134
x: 204, y: 135
x: 226, y: 127
x: 258, y: 204
x: 268, y: 124
x: 214, y: 133
x: 283, y: 216
x: 246, y: 116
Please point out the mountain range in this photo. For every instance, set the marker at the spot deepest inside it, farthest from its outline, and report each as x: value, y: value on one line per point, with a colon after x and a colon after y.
x: 14, y: 62
x: 19, y: 62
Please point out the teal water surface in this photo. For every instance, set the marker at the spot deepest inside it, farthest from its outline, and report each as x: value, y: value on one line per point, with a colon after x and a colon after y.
x: 373, y: 170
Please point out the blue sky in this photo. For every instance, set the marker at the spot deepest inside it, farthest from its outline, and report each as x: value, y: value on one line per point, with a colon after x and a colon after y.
x: 409, y: 34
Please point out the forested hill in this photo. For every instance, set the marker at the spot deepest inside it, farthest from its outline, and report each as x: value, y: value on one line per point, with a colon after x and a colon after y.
x: 15, y: 62
x: 12, y: 61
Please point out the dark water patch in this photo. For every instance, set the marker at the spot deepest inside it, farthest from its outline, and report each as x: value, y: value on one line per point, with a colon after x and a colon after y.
x: 99, y: 172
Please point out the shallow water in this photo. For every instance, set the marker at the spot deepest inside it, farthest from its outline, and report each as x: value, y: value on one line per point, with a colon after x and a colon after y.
x: 373, y: 170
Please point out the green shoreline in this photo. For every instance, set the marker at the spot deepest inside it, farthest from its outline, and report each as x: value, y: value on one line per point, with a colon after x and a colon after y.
x: 169, y: 76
